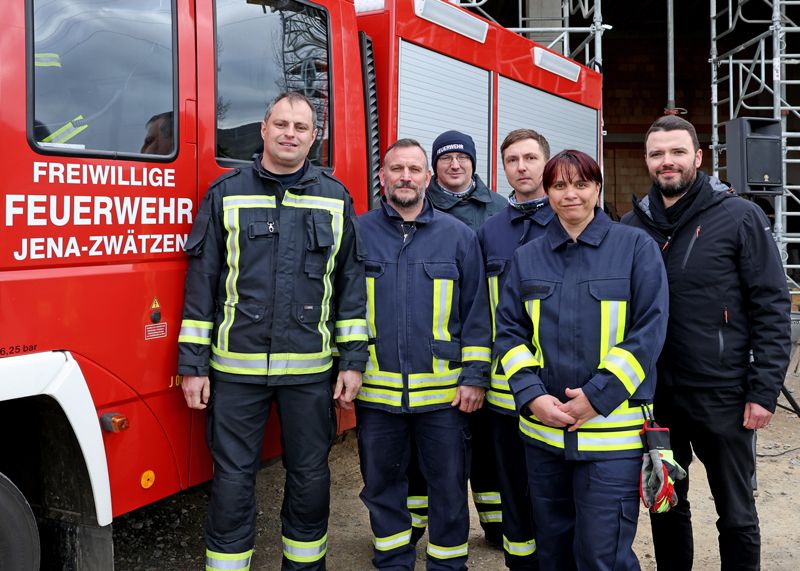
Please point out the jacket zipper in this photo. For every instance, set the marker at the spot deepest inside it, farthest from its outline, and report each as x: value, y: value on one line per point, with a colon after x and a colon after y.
x: 695, y: 236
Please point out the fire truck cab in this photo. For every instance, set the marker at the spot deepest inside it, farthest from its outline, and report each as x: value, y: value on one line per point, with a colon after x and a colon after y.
x: 116, y: 117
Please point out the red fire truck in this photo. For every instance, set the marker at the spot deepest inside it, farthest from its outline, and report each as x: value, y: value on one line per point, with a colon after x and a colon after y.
x: 115, y: 117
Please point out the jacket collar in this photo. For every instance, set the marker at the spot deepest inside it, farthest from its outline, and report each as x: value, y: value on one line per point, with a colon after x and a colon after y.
x: 542, y: 215
x: 310, y: 175
x: 444, y: 201
x: 424, y: 217
x: 592, y: 235
x: 712, y: 191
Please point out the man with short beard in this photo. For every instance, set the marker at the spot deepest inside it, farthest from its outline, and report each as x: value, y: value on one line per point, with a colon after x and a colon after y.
x: 429, y: 356
x: 728, y: 340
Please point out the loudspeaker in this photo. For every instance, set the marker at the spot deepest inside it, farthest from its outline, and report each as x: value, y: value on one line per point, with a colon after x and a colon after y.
x: 753, y: 148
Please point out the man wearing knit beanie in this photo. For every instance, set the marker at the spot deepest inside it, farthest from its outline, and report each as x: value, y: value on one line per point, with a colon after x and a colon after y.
x: 457, y: 190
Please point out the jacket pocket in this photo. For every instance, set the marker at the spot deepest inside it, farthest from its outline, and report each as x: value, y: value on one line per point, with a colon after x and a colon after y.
x: 319, y: 239
x: 441, y: 270
x: 446, y: 350
x: 611, y: 289
x: 194, y: 243
x: 254, y: 312
x: 307, y: 315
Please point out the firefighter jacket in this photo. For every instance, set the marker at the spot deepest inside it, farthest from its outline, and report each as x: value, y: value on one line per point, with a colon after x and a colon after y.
x: 729, y: 322
x: 500, y: 237
x: 274, y: 280
x: 473, y: 210
x: 427, y: 310
x: 588, y: 314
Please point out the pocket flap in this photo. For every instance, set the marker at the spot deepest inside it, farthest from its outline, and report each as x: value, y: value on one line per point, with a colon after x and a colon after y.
x: 308, y: 313
x: 323, y: 228
x: 495, y: 267
x: 253, y: 311
x: 613, y: 289
x: 441, y: 270
x: 531, y: 289
x: 447, y: 350
x: 374, y: 269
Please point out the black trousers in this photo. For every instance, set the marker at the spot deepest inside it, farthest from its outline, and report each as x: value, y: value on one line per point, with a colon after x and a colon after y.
x: 710, y: 422
x: 237, y: 415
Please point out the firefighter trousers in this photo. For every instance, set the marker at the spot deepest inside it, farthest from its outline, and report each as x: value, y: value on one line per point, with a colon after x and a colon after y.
x: 237, y: 416
x: 442, y: 442
x: 483, y: 479
x: 585, y: 511
x: 519, y: 544
x: 710, y: 422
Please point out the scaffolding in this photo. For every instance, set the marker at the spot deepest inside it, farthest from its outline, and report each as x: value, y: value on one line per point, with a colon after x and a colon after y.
x: 754, y: 74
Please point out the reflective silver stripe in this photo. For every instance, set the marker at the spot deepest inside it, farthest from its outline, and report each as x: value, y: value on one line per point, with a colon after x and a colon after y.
x: 519, y: 548
x: 511, y: 363
x: 352, y: 330
x: 46, y: 60
x: 546, y: 434
x: 304, y: 551
x: 187, y: 331
x: 332, y: 205
x: 417, y: 502
x: 500, y: 383
x: 486, y: 497
x: 440, y: 380
x: 615, y: 419
x: 490, y: 517
x: 393, y: 541
x: 383, y: 379
x: 448, y: 552
x: 289, y: 362
x: 418, y: 520
x: 246, y: 201
x: 67, y: 131
x: 231, y: 222
x: 623, y: 440
x: 228, y: 561
x: 620, y: 361
x: 501, y: 400
x: 441, y: 313
x: 440, y: 396
x: 376, y: 395
x: 259, y: 363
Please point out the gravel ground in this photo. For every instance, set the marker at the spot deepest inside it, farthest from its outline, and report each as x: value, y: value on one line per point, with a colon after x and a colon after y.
x: 168, y: 534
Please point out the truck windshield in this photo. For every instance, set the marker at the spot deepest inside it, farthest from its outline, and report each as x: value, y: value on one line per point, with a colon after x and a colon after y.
x: 264, y: 48
x: 103, y: 76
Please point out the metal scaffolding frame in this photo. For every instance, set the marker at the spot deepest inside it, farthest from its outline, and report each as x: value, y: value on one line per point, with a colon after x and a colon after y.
x: 752, y: 78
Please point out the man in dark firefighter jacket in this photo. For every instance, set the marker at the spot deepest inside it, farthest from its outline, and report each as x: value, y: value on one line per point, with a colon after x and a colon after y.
x: 524, y: 153
x: 727, y: 346
x: 455, y: 188
x: 429, y: 356
x: 274, y: 281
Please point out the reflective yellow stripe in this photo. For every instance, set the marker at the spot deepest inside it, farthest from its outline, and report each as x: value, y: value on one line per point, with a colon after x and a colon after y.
x: 195, y: 332
x: 380, y: 396
x: 534, y: 311
x: 429, y: 397
x: 609, y: 441
x: 351, y: 330
x: 501, y: 400
x: 519, y: 548
x: 418, y: 520
x: 486, y: 497
x: 547, y: 434
x: 490, y: 517
x: 441, y: 552
x: 476, y: 353
x: 494, y: 296
x: 247, y: 201
x: 417, y: 502
x: 518, y: 358
x: 43, y: 59
x: 228, y: 561
x: 622, y: 364
x: 612, y: 324
x: 231, y: 222
x: 66, y: 132
x: 371, y: 307
x: 442, y: 301
x: 336, y: 207
x: 624, y: 416
x: 304, y: 551
x: 392, y: 541
x: 273, y: 364
x: 423, y: 380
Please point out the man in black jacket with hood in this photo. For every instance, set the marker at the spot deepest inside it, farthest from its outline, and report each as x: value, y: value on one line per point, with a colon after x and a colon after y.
x: 728, y: 340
